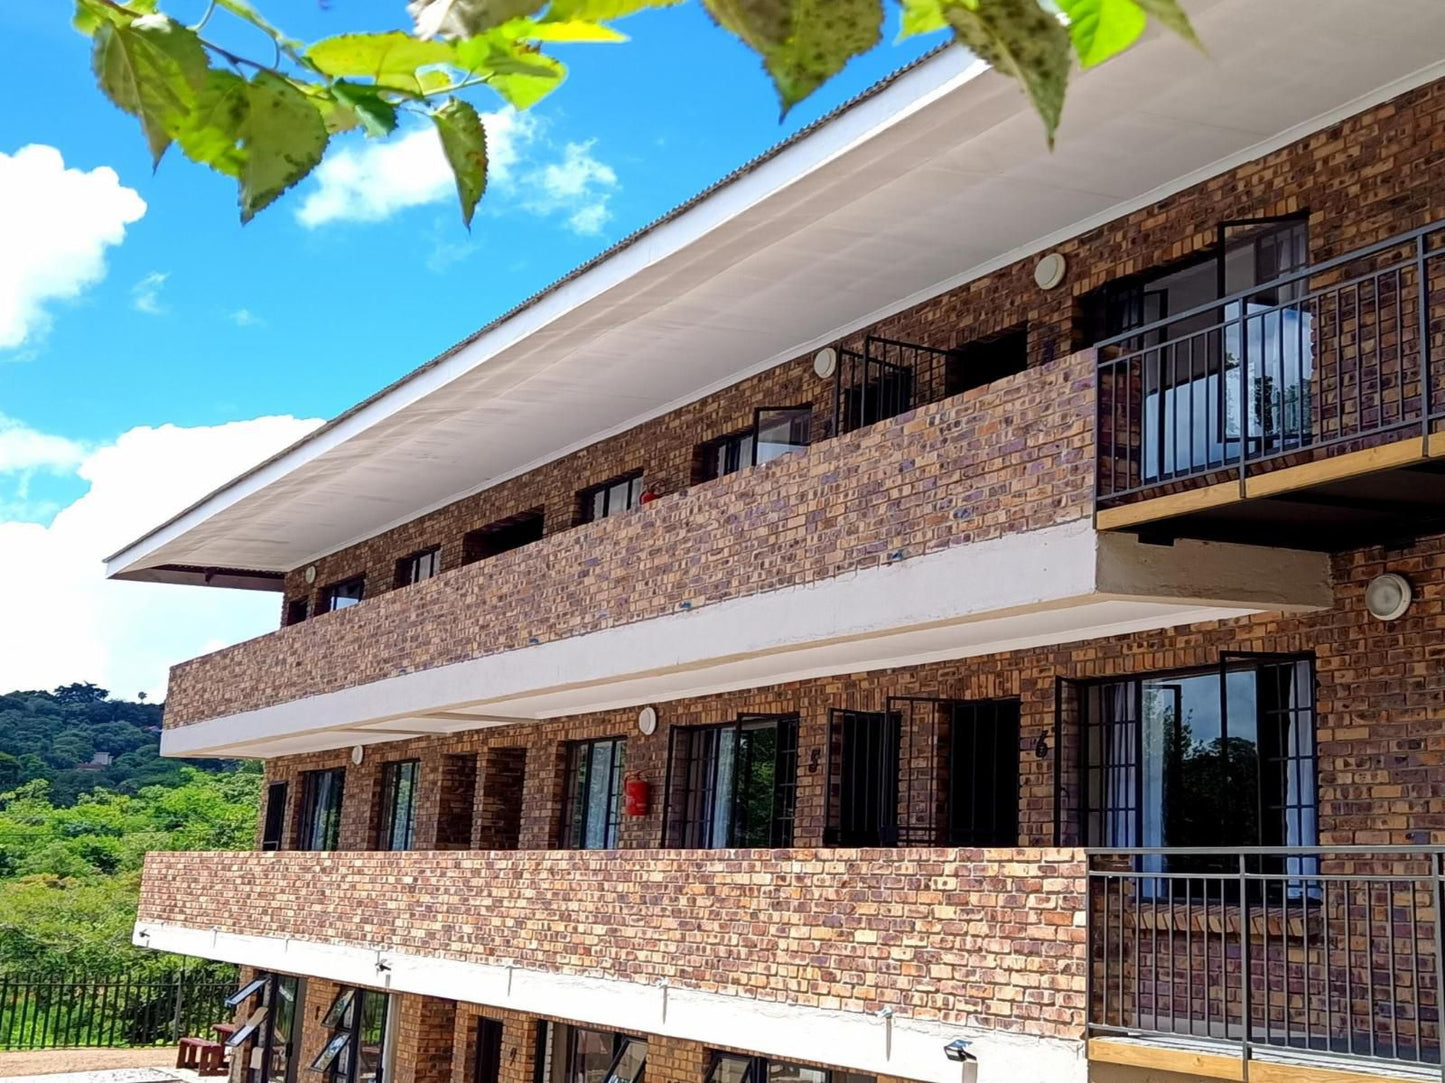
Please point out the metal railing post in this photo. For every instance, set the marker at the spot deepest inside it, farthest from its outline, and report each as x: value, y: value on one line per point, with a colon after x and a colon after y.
x: 1243, y: 392
x: 1437, y: 885
x: 180, y: 979
x: 1244, y: 992
x: 1422, y: 319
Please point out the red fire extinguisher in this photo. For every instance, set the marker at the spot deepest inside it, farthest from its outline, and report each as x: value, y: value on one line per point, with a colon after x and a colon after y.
x: 635, y: 795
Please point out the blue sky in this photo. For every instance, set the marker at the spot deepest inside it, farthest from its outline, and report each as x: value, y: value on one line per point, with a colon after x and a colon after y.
x: 198, y: 322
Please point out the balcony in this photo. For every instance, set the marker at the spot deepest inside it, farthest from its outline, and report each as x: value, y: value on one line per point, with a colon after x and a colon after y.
x: 957, y: 528
x: 1305, y: 962
x: 1306, y: 411
x: 706, y: 945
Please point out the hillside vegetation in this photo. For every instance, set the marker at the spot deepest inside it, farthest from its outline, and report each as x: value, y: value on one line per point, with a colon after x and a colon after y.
x: 73, y: 838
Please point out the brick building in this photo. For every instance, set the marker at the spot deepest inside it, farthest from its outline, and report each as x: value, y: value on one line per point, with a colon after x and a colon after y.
x: 926, y: 589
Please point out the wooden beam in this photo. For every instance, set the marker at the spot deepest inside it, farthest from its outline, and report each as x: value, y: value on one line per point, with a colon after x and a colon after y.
x: 1164, y: 1058
x: 1166, y: 507
x: 1330, y: 468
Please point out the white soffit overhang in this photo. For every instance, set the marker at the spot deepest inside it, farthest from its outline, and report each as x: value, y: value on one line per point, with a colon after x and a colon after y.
x: 939, y: 177
x: 1057, y: 585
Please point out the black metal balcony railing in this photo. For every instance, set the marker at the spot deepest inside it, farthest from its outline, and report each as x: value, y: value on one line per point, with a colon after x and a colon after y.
x: 1314, y: 952
x: 1335, y: 354
x: 887, y: 378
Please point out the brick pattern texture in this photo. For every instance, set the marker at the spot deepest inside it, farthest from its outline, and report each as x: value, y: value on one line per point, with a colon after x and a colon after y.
x: 986, y: 938
x: 1008, y: 456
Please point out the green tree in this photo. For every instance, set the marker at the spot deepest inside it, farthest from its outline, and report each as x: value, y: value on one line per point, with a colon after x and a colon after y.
x: 267, y: 121
x: 70, y: 874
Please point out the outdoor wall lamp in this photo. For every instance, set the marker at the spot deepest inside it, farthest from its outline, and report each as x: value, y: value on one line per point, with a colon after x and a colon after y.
x: 957, y: 1051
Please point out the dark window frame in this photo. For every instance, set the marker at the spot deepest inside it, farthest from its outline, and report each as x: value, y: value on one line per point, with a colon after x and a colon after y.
x: 519, y: 531
x: 338, y: 1059
x: 332, y: 593
x: 399, y: 779
x: 298, y: 610
x: 273, y: 817
x: 576, y: 806
x: 547, y: 1035
x: 1120, y: 820
x: 409, y: 567
x: 273, y: 992
x: 587, y: 498
x: 757, y: 1069
x: 324, y: 835
x: 690, y: 800
x: 738, y: 450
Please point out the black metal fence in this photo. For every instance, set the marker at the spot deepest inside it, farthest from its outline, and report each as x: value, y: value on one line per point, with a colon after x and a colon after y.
x: 887, y: 378
x: 1332, y: 357
x: 128, y: 1009
x: 1332, y: 952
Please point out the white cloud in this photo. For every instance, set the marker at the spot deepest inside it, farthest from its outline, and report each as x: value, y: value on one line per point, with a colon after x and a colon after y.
x: 145, y: 295
x: 244, y: 317
x: 56, y: 224
x: 370, y: 182
x: 73, y: 624
x: 578, y: 184
x: 23, y: 449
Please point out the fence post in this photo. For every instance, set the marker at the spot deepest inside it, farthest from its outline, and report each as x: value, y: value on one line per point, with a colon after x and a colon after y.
x: 1244, y: 998
x: 180, y: 997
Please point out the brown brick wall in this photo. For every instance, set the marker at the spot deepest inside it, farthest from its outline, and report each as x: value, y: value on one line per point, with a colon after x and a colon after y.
x: 1380, y: 720
x: 1370, y: 176
x: 946, y: 475
x: 834, y: 929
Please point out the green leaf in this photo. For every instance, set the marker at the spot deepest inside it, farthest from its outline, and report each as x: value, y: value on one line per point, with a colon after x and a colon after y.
x: 467, y: 18
x: 153, y: 69
x: 921, y: 17
x: 212, y: 131
x: 464, y: 141
x: 568, y: 30
x: 390, y: 58
x: 1100, y: 29
x: 283, y: 138
x: 514, y: 70
x: 601, y: 10
x: 376, y: 114
x: 803, y: 43
x: 1020, y: 39
x: 1170, y: 14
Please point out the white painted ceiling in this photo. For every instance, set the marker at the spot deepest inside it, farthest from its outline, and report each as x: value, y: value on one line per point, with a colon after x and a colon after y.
x: 936, y: 179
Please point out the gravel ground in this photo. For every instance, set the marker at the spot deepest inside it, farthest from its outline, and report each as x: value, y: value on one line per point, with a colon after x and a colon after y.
x: 25, y: 1065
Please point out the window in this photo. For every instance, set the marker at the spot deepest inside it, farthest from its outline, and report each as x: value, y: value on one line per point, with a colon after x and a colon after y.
x: 396, y: 819
x: 1214, y: 757
x: 736, y: 1068
x: 988, y: 359
x: 732, y: 785
x: 355, y: 1051
x: 924, y: 772
x: 781, y: 429
x: 343, y: 595
x: 320, y: 821
x: 297, y: 610
x: 487, y: 1052
x: 1194, y: 414
x: 271, y: 1027
x: 776, y: 430
x: 611, y: 498
x: 502, y: 536
x: 418, y: 566
x: 725, y: 455
x: 273, y: 830
x: 593, y: 803
x: 569, y: 1054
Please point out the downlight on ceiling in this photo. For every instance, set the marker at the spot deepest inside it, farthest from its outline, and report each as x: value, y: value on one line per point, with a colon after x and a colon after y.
x: 1388, y: 596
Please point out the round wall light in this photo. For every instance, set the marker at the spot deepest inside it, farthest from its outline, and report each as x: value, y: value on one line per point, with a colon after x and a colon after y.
x: 1050, y: 270
x: 1388, y: 596
x: 647, y: 721
x: 825, y: 362
x: 357, y: 755
x: 310, y: 573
